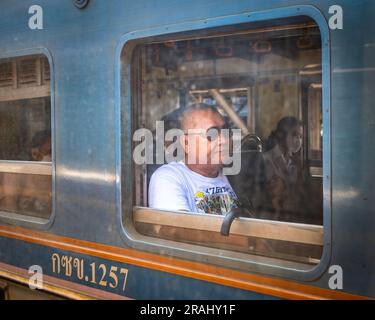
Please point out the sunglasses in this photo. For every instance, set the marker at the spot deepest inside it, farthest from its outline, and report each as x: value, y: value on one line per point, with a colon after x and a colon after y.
x: 212, y: 133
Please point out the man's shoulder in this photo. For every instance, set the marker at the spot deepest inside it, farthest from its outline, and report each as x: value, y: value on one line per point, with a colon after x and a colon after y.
x: 172, y: 170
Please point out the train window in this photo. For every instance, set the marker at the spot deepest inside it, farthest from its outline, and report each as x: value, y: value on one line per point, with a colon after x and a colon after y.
x: 251, y: 95
x: 25, y: 138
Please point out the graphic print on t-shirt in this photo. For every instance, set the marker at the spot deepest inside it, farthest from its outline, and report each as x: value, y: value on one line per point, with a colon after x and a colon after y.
x: 176, y: 187
x: 216, y: 200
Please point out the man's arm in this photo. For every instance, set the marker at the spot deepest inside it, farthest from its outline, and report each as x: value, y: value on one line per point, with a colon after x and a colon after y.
x: 167, y: 192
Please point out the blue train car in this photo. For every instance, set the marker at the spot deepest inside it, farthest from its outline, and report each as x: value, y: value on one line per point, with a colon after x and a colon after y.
x: 79, y: 80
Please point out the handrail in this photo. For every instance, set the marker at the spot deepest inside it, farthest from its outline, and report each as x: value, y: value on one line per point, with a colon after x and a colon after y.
x: 26, y: 167
x: 249, y: 227
x: 229, y: 110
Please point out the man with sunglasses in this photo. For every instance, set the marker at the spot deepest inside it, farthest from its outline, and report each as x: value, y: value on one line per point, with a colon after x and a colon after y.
x: 196, y: 183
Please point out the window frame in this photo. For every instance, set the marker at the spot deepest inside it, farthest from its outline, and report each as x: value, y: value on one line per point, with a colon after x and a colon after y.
x: 124, y: 161
x: 18, y: 219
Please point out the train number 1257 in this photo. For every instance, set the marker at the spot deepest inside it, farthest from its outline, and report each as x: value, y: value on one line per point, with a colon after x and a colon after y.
x: 100, y: 274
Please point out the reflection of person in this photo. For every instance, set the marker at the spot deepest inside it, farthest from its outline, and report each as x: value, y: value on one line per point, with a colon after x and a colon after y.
x: 192, y: 185
x: 282, y: 166
x: 41, y: 146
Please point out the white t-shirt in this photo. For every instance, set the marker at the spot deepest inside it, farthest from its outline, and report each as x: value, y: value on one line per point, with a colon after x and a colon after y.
x: 175, y: 187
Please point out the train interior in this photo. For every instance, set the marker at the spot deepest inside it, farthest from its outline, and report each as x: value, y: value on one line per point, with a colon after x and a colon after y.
x: 25, y: 122
x: 263, y: 72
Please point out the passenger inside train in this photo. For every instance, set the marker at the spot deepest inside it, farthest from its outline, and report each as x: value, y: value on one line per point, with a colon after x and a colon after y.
x: 283, y: 168
x: 193, y: 185
x: 41, y: 146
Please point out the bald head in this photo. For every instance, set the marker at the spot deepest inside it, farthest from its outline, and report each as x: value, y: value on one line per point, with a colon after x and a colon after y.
x: 200, y: 116
x: 204, y: 153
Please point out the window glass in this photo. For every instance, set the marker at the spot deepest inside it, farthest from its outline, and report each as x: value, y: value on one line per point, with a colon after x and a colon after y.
x: 252, y: 95
x: 25, y: 136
